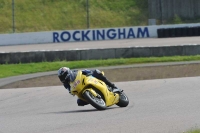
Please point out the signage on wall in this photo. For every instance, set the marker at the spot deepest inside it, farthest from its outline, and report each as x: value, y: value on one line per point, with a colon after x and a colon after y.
x: 100, y: 34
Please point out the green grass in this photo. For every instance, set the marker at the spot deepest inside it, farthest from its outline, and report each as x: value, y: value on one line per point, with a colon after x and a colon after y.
x: 7, y: 70
x: 45, y: 15
x: 193, y: 131
x: 51, y: 15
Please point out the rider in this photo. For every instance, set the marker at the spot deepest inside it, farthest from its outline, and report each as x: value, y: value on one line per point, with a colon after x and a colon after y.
x: 66, y: 75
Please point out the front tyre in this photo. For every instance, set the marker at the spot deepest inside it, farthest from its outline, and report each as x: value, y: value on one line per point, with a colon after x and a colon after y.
x: 96, y: 102
x: 123, y: 100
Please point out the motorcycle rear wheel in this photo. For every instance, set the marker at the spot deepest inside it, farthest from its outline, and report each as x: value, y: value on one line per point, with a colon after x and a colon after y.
x: 123, y: 100
x: 96, y: 102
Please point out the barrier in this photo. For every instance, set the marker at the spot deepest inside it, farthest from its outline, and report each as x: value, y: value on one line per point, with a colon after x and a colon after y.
x: 178, y: 32
x: 77, y: 35
x: 160, y: 31
x: 94, y: 34
x: 94, y: 54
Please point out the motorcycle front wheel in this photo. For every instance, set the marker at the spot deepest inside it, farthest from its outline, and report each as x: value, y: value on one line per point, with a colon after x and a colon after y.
x: 123, y: 100
x: 96, y: 102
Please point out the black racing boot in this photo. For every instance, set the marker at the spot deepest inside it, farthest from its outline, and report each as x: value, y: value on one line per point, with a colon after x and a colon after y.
x: 81, y: 102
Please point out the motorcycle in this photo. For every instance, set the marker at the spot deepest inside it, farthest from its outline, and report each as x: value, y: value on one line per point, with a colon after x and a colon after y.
x: 96, y: 92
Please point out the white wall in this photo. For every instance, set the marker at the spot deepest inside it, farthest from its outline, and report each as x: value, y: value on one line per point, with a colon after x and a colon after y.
x: 85, y: 35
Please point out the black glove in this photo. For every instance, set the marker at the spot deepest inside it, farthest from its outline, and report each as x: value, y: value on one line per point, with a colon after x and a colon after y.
x: 87, y: 73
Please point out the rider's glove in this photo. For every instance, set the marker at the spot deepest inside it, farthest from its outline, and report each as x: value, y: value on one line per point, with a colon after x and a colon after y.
x: 87, y: 72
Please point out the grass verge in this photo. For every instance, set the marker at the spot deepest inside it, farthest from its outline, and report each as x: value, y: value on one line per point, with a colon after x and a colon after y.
x: 7, y: 70
x: 194, y: 131
x: 45, y: 15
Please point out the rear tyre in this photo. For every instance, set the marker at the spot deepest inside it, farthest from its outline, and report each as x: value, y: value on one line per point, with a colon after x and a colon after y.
x: 123, y: 100
x: 96, y: 102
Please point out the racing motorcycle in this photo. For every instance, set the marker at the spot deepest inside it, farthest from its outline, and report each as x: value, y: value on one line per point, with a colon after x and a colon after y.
x: 96, y: 92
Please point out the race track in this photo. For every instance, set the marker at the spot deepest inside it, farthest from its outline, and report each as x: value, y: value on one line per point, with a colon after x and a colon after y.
x: 156, y: 106
x: 143, y: 42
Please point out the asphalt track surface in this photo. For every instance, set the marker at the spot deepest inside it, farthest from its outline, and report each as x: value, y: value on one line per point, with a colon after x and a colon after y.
x: 156, y: 106
x: 145, y: 42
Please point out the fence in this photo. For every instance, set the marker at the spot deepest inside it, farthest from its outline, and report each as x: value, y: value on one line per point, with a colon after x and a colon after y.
x: 18, y: 16
x: 45, y: 15
x: 175, y: 10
